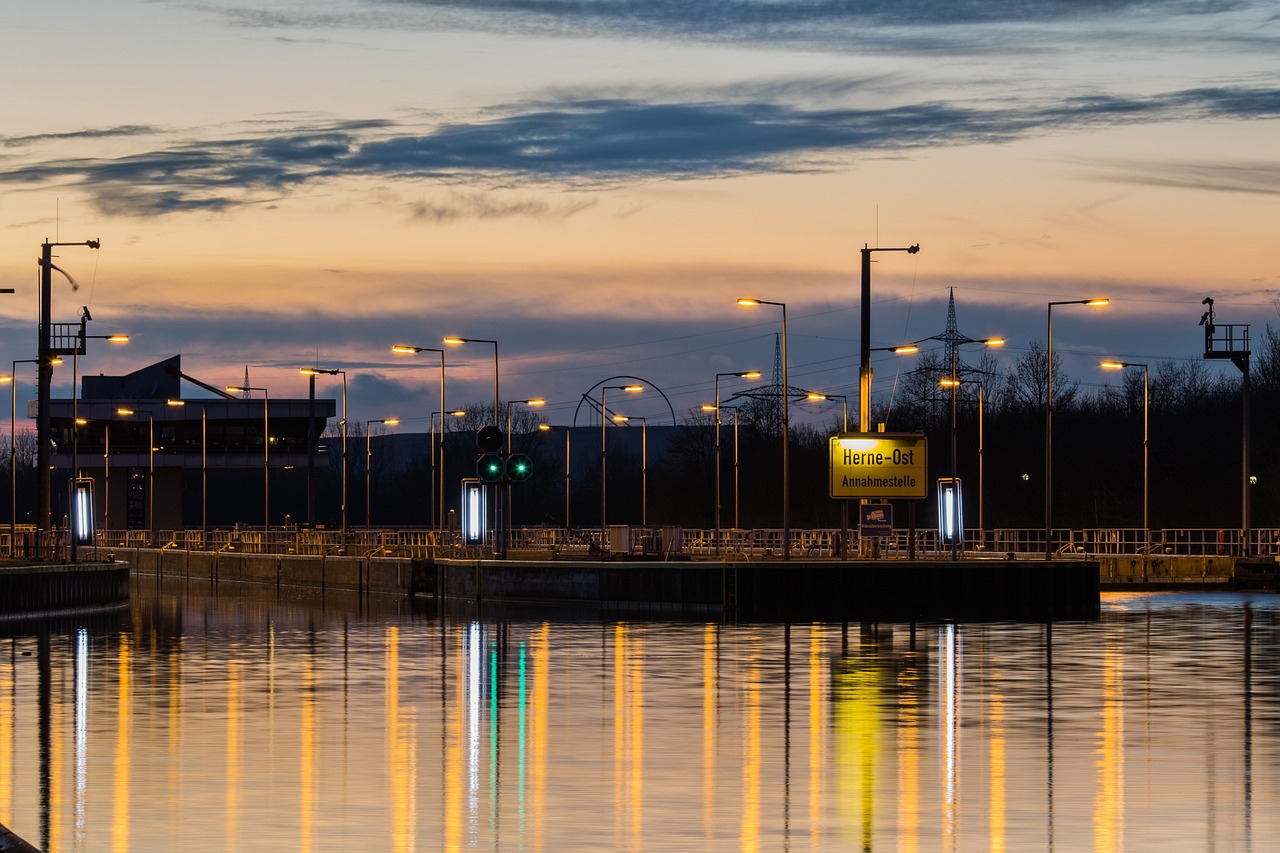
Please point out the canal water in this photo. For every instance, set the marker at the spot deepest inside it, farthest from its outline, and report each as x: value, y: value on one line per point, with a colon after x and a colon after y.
x: 243, y: 719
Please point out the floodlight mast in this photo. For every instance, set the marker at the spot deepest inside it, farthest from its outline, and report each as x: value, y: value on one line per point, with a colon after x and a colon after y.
x: 44, y: 354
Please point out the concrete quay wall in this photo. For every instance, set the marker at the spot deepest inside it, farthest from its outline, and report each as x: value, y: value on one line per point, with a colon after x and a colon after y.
x: 817, y: 589
x: 362, y: 574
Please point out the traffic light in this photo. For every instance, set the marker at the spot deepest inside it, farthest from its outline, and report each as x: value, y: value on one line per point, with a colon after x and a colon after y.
x: 490, y: 439
x: 519, y: 468
x: 489, y: 467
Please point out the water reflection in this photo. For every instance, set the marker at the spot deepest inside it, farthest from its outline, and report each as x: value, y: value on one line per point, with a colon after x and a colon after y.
x: 245, y: 721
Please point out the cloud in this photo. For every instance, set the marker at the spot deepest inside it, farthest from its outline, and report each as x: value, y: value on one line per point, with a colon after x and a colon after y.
x: 125, y: 130
x: 591, y: 143
x: 960, y: 26
x: 1239, y: 177
x: 457, y: 205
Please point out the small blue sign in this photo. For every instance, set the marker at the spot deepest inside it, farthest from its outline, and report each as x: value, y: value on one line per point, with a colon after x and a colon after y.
x: 875, y: 519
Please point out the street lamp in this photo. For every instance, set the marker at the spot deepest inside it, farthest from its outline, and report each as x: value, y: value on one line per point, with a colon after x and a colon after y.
x: 1121, y: 365
x: 1048, y: 421
x: 500, y: 511
x: 644, y: 463
x: 151, y: 468
x: 204, y: 465
x: 75, y: 391
x: 406, y: 349
x: 864, y: 367
x: 954, y: 343
x: 368, y: 467
x: 817, y: 397
x: 567, y: 431
x: 12, y: 379
x: 748, y: 302
x: 316, y: 371
x: 266, y: 453
x: 504, y: 539
x: 745, y: 374
x: 454, y: 341
x: 604, y: 420
x: 437, y: 474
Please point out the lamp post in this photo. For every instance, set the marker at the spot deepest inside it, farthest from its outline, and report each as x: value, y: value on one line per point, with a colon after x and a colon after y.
x: 745, y: 374
x: 13, y: 446
x: 816, y: 397
x: 437, y: 475
x: 567, y: 431
x: 151, y: 468
x: 864, y: 363
x: 604, y: 420
x: 406, y: 349
x: 734, y: 409
x: 954, y: 343
x: 506, y: 533
x: 266, y: 452
x: 12, y: 379
x: 644, y: 463
x: 500, y: 511
x: 316, y: 371
x: 1048, y: 421
x: 204, y: 465
x: 1121, y: 365
x: 368, y: 467
x: 748, y: 302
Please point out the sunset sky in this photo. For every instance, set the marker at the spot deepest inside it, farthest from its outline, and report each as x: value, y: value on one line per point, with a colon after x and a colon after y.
x: 279, y: 183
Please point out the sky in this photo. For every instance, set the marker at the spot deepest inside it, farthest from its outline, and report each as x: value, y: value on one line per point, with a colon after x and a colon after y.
x: 593, y: 184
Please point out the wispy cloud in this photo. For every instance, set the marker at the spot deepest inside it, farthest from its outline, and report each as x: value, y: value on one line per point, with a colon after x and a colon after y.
x: 456, y: 205
x: 592, y: 142
x: 961, y: 26
x: 1239, y: 177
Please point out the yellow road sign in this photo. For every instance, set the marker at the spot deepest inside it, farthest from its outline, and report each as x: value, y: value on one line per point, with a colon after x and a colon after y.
x: 879, y: 465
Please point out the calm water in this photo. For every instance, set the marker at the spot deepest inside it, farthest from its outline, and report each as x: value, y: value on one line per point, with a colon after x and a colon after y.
x: 240, y: 720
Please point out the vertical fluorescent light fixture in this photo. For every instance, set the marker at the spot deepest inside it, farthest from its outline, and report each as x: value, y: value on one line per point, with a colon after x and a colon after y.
x: 82, y: 510
x: 473, y: 520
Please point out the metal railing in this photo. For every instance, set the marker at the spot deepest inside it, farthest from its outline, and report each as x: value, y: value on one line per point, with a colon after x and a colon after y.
x: 667, y: 540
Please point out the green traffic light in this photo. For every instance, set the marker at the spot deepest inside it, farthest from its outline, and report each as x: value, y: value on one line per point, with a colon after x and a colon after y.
x: 489, y: 468
x: 519, y: 468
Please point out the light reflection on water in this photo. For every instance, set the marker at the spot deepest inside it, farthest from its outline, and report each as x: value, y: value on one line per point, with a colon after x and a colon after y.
x: 249, y: 722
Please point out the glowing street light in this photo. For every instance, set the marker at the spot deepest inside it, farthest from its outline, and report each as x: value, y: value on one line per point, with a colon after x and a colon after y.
x: 1122, y: 365
x: 864, y: 366
x: 745, y: 374
x: 567, y: 432
x: 954, y: 382
x: 266, y: 452
x: 456, y: 341
x: 644, y: 463
x: 1048, y: 422
x: 151, y: 467
x: 749, y: 302
x: 407, y: 349
x: 316, y: 371
x: 604, y: 420
x: 204, y: 463
x: 368, y: 466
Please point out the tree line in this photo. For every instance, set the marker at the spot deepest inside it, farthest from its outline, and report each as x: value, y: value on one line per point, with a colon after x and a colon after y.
x: 1194, y: 427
